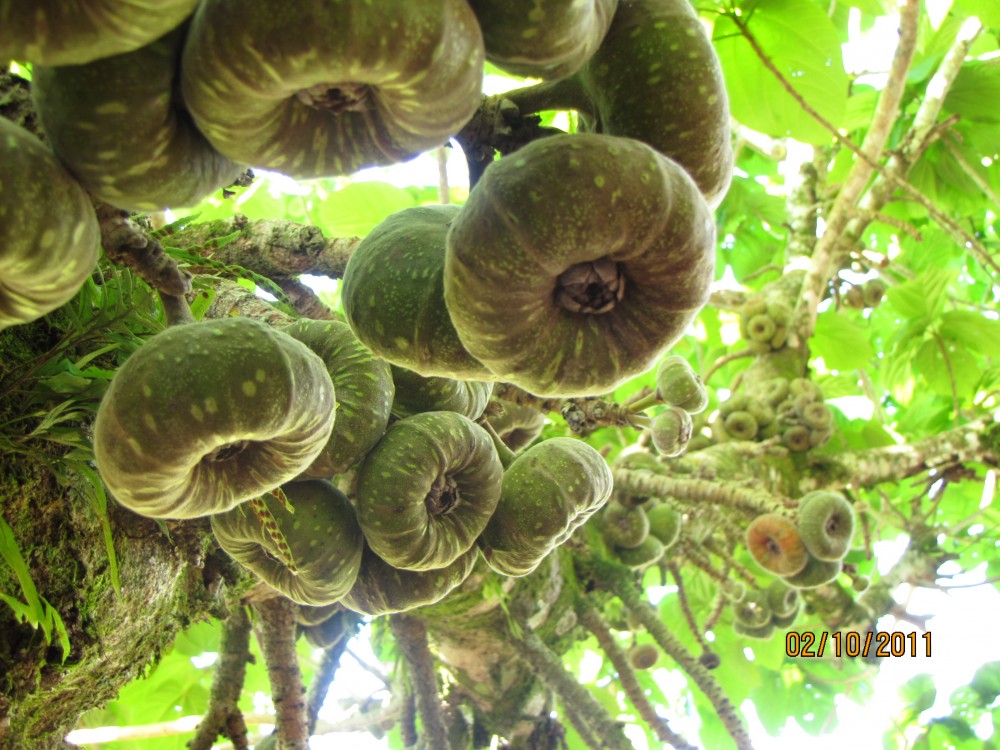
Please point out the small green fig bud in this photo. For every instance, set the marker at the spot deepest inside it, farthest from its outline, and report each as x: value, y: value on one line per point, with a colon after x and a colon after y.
x: 643, y: 656
x: 671, y: 430
x: 624, y: 527
x: 874, y: 292
x: 665, y: 524
x: 796, y: 439
x: 677, y: 384
x: 709, y: 660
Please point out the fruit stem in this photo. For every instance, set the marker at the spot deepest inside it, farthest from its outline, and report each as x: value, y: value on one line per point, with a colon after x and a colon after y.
x: 644, y: 403
x: 176, y: 309
x: 505, y: 454
x: 564, y: 94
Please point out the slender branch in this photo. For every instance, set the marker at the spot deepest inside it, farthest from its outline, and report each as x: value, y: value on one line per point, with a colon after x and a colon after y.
x: 269, y: 247
x: 617, y: 579
x: 304, y: 300
x: 411, y: 637
x: 326, y: 672
x: 127, y: 244
x: 277, y: 636
x: 176, y: 309
x: 581, y: 706
x: 828, y: 250
x: 444, y: 192
x: 223, y: 715
x: 626, y: 676
x: 682, y: 599
x: 232, y: 299
x: 647, y: 484
x: 973, y: 175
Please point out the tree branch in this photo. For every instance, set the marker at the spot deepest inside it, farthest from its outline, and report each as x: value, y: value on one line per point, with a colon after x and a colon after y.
x: 274, y: 248
x: 647, y: 484
x: 581, y: 707
x: 223, y: 715
x: 626, y: 676
x: 828, y: 251
x: 411, y: 637
x: 618, y: 580
x: 277, y: 633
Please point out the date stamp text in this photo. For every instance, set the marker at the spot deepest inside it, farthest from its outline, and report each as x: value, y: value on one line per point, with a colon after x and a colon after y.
x: 852, y: 643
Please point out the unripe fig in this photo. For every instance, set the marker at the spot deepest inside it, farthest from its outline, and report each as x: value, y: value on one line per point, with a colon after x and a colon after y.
x: 817, y: 415
x: 854, y: 298
x: 776, y: 544
x: 760, y: 328
x: 677, y: 384
x: 815, y: 573
x: 665, y: 524
x: 639, y: 558
x: 671, y: 431
x: 709, y: 660
x: 819, y: 437
x: 643, y: 656
x: 761, y: 411
x: 624, y: 527
x: 796, y: 439
x: 779, y: 312
x: 805, y: 387
x: 740, y: 425
x: 873, y: 291
x: 775, y: 390
x: 861, y: 583
x: 735, y: 402
x: 782, y: 598
x: 753, y: 609
x: 826, y: 522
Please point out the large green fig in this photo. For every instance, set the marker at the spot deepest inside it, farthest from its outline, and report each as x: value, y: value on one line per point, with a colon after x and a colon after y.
x: 416, y: 394
x: 322, y: 535
x: 576, y: 261
x: 623, y: 526
x: 657, y: 78
x: 518, y: 426
x: 542, y: 39
x: 381, y: 589
x: 49, y: 237
x: 58, y: 32
x: 207, y: 415
x: 665, y: 524
x: 316, y: 88
x: 548, y: 491
x: 427, y: 489
x: 363, y: 387
x: 393, y: 295
x: 118, y: 125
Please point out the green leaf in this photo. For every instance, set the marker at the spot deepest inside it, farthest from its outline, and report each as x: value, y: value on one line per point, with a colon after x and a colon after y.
x: 987, y: 11
x: 801, y: 41
x: 923, y: 296
x: 919, y: 693
x: 11, y: 554
x: 356, y: 209
x: 972, y: 329
x: 957, y: 373
x: 976, y: 89
x: 841, y: 343
x: 986, y: 682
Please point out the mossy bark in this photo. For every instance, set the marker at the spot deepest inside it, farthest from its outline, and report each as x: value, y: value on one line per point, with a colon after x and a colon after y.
x: 167, y: 582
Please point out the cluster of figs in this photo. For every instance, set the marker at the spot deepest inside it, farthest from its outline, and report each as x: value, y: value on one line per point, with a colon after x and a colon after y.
x: 577, y: 261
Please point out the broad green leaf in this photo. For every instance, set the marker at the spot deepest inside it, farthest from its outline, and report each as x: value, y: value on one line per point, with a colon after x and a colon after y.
x: 802, y: 42
x: 987, y: 11
x: 972, y: 329
x: 948, y: 367
x: 919, y: 693
x: 986, y: 682
x: 976, y: 90
x: 841, y: 343
x: 356, y: 209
